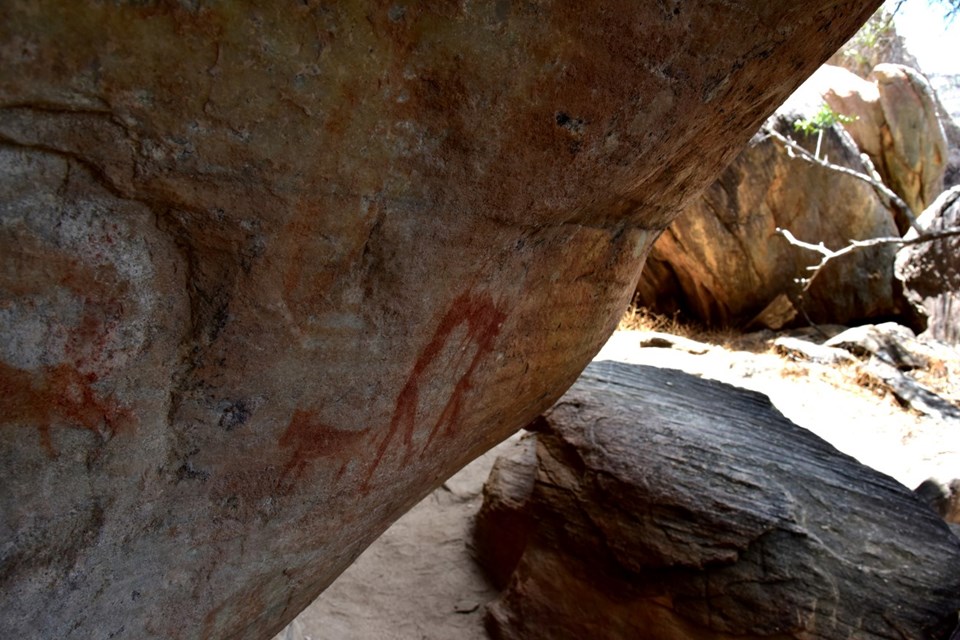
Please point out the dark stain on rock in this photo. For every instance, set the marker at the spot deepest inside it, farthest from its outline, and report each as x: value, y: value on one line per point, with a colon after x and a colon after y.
x: 235, y: 415
x: 573, y: 125
x: 187, y: 471
x: 220, y: 316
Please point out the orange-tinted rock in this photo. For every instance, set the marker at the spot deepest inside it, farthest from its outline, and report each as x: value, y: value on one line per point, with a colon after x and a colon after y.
x: 270, y: 271
x: 896, y: 122
x: 722, y: 263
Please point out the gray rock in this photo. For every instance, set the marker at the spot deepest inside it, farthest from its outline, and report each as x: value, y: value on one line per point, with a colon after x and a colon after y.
x: 930, y: 271
x: 667, y: 506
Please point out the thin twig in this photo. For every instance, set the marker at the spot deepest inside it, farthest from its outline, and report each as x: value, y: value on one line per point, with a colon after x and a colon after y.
x: 829, y: 254
x: 794, y: 150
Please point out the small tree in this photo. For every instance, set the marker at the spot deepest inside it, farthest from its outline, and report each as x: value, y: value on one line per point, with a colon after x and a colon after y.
x: 825, y: 118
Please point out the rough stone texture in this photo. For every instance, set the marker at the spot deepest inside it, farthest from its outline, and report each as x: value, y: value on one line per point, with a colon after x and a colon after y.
x: 502, y: 525
x: 665, y: 506
x: 878, y: 42
x: 722, y: 263
x: 270, y: 271
x: 897, y: 123
x: 930, y: 271
x: 943, y: 498
x: 947, y: 90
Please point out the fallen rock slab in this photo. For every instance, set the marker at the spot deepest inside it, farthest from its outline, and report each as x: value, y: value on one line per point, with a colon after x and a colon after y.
x: 799, y: 348
x: 890, y: 342
x: 910, y: 392
x: 666, y: 506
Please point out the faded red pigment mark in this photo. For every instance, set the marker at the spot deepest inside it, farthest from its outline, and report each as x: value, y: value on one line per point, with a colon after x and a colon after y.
x: 483, y: 322
x: 228, y: 618
x: 311, y: 439
x: 60, y: 395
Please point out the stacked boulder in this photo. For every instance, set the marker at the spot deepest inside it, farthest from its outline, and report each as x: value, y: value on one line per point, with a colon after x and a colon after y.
x: 893, y: 118
x: 722, y: 263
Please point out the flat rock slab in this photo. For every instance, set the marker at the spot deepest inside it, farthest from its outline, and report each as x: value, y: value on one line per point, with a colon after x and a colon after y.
x: 666, y: 506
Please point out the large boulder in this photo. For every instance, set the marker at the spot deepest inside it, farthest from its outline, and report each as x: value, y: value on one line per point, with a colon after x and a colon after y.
x: 930, y: 271
x: 895, y: 120
x: 878, y: 42
x: 269, y: 272
x: 722, y: 263
x: 664, y: 506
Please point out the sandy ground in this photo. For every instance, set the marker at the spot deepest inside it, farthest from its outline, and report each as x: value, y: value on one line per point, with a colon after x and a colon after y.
x: 419, y: 582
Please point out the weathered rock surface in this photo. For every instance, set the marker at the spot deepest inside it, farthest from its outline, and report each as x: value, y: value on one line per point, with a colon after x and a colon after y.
x: 930, y: 271
x: 503, y: 523
x: 878, y: 42
x: 667, y: 506
x: 270, y: 271
x: 722, y: 263
x: 891, y: 355
x: 897, y: 123
x: 943, y: 497
x: 947, y: 91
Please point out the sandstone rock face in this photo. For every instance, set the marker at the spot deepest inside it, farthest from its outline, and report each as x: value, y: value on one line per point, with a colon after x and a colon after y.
x: 270, y: 271
x: 721, y: 262
x: 668, y: 507
x: 930, y: 271
x: 898, y: 125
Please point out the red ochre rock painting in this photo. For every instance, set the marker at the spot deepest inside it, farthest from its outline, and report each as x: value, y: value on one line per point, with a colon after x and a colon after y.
x: 310, y: 439
x: 483, y: 321
x: 60, y: 396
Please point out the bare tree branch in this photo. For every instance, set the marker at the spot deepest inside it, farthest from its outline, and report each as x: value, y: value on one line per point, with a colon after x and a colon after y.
x: 829, y: 254
x: 794, y: 150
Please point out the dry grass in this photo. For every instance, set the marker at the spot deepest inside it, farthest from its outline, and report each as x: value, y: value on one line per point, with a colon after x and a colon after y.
x: 642, y: 319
